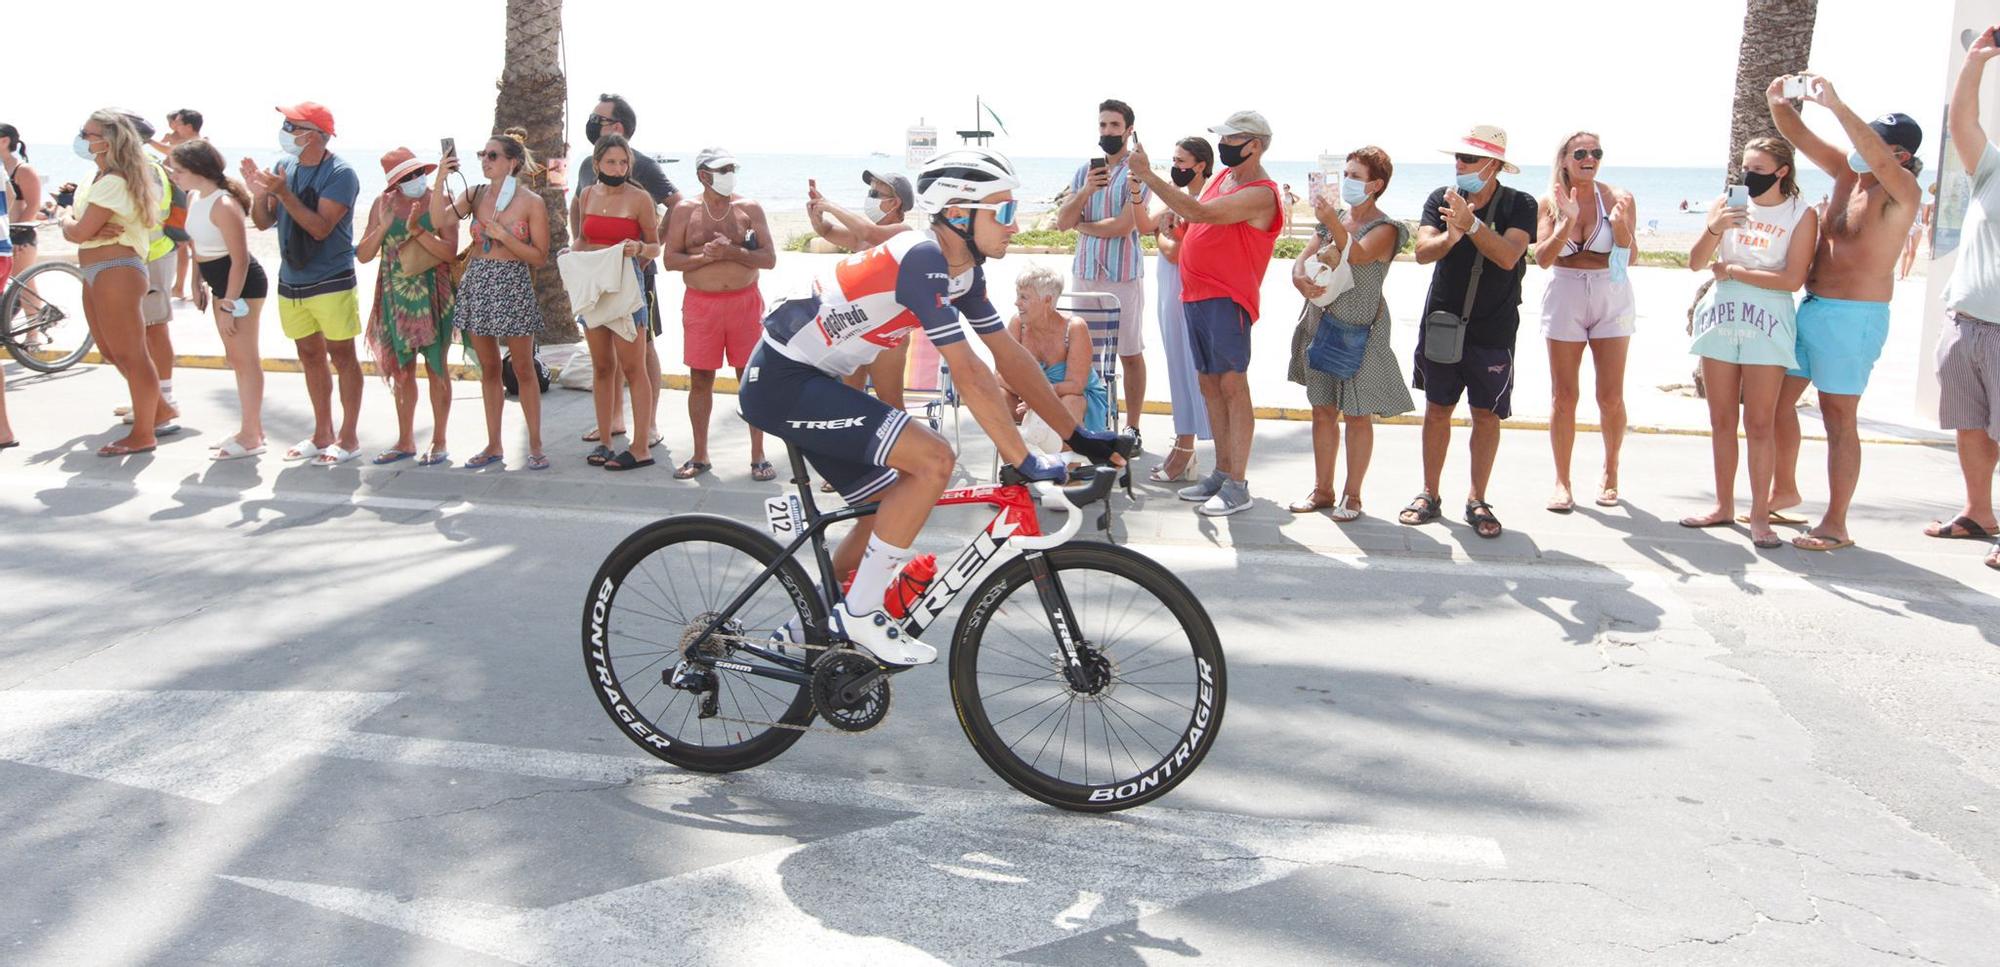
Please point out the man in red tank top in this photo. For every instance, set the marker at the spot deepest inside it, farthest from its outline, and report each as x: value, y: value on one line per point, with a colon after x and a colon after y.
x: 1232, y: 229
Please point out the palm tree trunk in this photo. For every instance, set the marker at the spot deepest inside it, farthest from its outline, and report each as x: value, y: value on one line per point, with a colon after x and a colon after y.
x: 533, y: 92
x: 1777, y: 39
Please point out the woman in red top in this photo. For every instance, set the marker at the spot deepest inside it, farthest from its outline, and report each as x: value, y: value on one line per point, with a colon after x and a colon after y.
x: 617, y: 211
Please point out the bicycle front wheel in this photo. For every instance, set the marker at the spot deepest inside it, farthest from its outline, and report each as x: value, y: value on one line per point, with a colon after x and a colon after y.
x: 43, y: 316
x: 699, y: 702
x: 1122, y: 730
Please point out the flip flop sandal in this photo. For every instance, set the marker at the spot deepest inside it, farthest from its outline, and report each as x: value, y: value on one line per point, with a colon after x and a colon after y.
x: 167, y: 429
x: 1343, y: 514
x: 600, y: 456
x: 10, y: 444
x: 1993, y: 557
x: 1820, y: 542
x: 538, y: 461
x: 391, y: 456
x: 1608, y: 498
x: 1479, y: 512
x: 1561, y: 506
x: 691, y: 470
x: 1777, y: 517
x: 626, y: 461
x: 303, y: 450
x: 484, y: 460
x: 591, y: 436
x: 1423, y: 509
x: 1309, y: 505
x: 432, y: 458
x: 762, y: 471
x: 114, y: 450
x: 1698, y: 523
x: 1768, y: 541
x: 1960, y: 529
x: 233, y: 450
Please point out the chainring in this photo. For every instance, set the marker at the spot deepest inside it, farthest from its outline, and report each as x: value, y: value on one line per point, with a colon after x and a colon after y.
x: 833, y: 671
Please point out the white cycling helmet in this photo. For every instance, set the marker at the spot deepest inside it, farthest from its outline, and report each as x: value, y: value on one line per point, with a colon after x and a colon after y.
x: 962, y: 175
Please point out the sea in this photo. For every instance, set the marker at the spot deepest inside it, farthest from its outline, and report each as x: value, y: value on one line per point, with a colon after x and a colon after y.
x: 780, y: 181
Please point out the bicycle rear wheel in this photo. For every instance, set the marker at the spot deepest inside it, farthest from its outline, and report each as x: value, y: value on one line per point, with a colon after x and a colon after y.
x: 43, y: 316
x: 1124, y: 731
x: 667, y: 688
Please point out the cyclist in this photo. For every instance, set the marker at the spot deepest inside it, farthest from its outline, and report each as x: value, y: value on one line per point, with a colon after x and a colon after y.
x: 868, y: 303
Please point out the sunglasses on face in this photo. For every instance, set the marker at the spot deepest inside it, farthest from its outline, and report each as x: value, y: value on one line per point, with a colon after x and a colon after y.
x: 87, y: 136
x: 290, y: 127
x: 1470, y: 159
x: 1003, y: 212
x: 1582, y: 153
x: 491, y: 155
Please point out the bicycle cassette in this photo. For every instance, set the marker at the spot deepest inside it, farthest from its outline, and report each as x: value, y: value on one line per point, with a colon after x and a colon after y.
x: 835, y: 698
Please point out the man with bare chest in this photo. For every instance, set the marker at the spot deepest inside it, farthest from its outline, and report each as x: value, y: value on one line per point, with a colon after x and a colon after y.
x: 1844, y: 320
x: 719, y: 242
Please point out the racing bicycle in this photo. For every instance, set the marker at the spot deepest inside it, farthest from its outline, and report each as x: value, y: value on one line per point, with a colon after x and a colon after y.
x: 1085, y: 674
x: 41, y: 317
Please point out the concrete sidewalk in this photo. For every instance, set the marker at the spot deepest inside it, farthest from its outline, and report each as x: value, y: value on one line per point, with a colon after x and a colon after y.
x: 1659, y: 369
x: 61, y: 420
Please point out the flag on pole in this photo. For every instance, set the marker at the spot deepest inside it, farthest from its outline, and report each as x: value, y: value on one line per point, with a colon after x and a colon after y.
x: 1002, y: 125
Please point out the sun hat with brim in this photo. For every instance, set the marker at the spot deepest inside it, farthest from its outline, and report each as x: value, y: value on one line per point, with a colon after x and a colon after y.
x: 1243, y: 122
x: 897, y: 183
x: 1485, y: 141
x: 311, y: 112
x: 398, y: 164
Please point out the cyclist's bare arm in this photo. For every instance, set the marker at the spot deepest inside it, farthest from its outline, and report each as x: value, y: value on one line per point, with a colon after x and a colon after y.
x: 1018, y: 367
x: 987, y: 401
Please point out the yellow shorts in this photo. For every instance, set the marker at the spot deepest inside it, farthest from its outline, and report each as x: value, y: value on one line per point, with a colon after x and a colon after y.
x: 336, y: 315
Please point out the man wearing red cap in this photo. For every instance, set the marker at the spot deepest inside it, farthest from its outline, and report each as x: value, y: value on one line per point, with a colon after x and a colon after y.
x: 310, y: 198
x: 1844, y: 320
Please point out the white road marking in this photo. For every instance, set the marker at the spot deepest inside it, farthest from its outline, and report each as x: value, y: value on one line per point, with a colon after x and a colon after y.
x: 1036, y: 874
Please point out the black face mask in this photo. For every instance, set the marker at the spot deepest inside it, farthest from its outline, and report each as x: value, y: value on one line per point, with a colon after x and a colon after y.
x: 613, y: 181
x: 1758, y: 184
x: 1182, y: 177
x: 1231, y: 154
x: 593, y: 127
x: 1111, y: 143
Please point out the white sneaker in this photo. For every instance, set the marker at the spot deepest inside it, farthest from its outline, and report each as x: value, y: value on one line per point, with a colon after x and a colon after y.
x: 877, y: 633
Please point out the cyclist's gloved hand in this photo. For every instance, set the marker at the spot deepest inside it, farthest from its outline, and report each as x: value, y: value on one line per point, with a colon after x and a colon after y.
x: 1042, y: 467
x: 1096, y: 446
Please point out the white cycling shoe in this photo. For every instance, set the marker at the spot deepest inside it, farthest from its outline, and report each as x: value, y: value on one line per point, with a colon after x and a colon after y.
x: 877, y: 633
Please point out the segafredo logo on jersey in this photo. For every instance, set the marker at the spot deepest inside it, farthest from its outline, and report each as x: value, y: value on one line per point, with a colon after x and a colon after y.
x: 1197, y: 733
x: 840, y: 424
x: 838, y: 322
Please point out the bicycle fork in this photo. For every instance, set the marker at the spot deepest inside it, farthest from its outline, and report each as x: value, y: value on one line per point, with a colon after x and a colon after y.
x: 1083, y: 676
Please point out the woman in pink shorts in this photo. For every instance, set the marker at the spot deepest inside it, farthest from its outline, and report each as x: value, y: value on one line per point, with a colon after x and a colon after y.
x: 1585, y: 236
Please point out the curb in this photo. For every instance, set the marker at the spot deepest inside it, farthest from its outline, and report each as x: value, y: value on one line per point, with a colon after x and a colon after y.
x: 726, y: 384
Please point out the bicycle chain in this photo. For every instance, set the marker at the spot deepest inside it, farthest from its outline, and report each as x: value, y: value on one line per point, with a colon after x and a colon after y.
x: 766, y: 643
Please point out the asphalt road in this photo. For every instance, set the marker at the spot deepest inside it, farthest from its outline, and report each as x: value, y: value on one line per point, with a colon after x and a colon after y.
x: 259, y: 713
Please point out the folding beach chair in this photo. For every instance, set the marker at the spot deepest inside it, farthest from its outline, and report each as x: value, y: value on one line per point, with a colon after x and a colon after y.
x: 927, y: 387
x: 1100, y: 310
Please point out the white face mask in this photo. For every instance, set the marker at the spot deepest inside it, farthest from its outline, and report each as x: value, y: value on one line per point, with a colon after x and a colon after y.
x: 413, y: 188
x: 289, y: 144
x: 877, y: 209
x: 507, y: 188
x: 724, y: 182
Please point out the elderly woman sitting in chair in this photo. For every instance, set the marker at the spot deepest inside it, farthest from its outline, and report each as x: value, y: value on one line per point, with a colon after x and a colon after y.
x: 1061, y: 344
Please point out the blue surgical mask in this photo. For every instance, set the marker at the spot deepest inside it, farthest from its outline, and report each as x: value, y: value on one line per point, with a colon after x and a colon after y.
x: 82, y: 148
x: 1353, y: 192
x: 1470, y: 184
x: 1858, y: 163
x: 290, y: 145
x: 1621, y: 260
x: 413, y: 188
x: 506, y: 195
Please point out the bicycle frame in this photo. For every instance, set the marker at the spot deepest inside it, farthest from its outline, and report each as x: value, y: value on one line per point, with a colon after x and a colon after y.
x: 1014, y: 531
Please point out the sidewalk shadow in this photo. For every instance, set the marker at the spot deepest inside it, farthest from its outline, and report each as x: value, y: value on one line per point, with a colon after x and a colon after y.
x: 1871, y: 572
x: 1719, y: 551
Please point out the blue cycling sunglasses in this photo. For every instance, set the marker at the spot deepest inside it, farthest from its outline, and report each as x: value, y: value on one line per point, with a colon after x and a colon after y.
x: 1003, y: 212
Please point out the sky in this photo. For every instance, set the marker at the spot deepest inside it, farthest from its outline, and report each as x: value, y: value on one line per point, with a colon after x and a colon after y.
x: 1654, y: 79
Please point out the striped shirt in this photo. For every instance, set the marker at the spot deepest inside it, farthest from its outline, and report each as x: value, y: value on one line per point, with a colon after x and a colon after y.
x: 1110, y: 259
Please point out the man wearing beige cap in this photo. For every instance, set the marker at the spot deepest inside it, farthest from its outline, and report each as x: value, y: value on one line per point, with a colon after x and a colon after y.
x: 1476, y: 231
x: 1232, y: 229
x: 719, y: 242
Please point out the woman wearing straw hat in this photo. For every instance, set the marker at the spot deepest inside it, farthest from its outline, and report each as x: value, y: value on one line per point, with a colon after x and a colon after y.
x: 410, y: 316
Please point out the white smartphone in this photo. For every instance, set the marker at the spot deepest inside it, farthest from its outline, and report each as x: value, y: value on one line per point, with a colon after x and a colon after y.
x: 1795, y: 87
x: 1739, y: 197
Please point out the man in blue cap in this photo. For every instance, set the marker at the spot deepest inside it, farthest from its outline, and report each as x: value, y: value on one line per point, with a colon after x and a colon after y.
x: 1844, y: 319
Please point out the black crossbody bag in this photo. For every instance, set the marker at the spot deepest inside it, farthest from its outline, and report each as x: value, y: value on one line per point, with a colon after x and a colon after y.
x: 1444, y: 333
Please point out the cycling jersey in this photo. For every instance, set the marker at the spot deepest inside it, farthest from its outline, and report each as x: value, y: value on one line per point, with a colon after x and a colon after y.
x: 870, y: 302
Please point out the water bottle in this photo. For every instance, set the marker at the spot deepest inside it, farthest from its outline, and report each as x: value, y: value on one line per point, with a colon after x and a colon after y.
x: 909, y: 585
